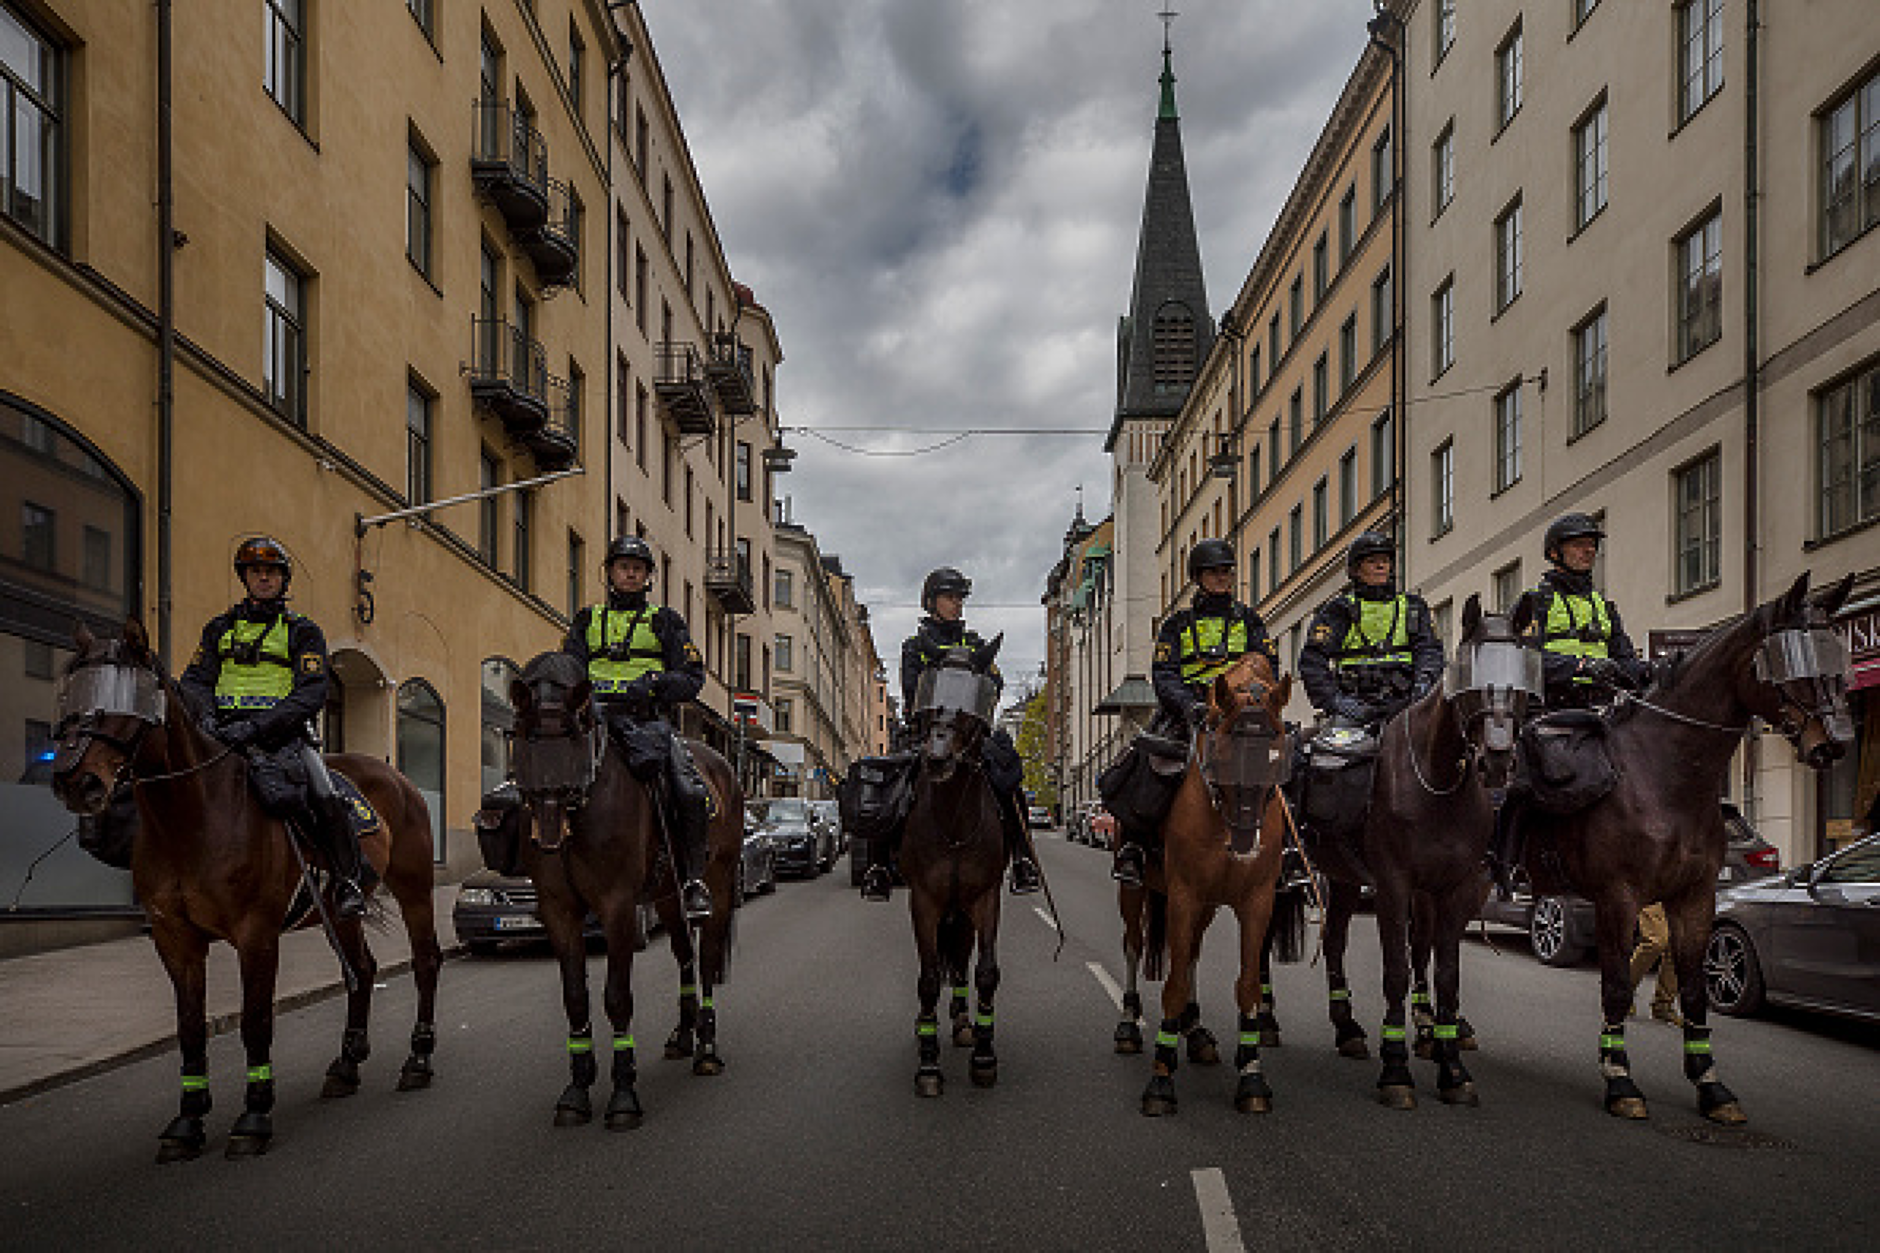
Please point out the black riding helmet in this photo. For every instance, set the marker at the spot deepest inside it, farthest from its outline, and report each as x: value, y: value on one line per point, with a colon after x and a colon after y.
x: 630, y: 547
x: 1569, y: 526
x: 1210, y: 554
x: 263, y: 550
x: 1369, y: 544
x: 942, y: 582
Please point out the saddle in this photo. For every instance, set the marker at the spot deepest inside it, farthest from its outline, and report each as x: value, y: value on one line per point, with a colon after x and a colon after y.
x: 1140, y: 785
x: 1568, y: 764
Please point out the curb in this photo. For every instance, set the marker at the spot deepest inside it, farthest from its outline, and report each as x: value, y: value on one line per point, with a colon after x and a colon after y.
x: 219, y: 1024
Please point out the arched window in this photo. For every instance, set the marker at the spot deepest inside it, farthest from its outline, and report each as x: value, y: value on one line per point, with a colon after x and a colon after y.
x: 421, y: 751
x: 499, y: 719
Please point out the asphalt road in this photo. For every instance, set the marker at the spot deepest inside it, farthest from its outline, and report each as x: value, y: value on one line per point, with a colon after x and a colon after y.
x: 813, y: 1136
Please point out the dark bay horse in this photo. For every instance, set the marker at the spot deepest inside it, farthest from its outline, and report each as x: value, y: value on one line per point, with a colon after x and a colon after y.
x: 1223, y: 841
x: 209, y: 865
x: 597, y: 845
x: 1659, y: 834
x: 953, y: 858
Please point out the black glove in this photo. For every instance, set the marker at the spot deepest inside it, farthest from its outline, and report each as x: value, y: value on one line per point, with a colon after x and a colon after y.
x: 1351, y: 709
x: 1607, y: 671
x: 239, y: 734
x: 1196, y: 715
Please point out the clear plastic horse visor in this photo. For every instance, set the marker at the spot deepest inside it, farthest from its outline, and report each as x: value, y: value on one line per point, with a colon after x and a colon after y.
x: 949, y: 689
x: 1489, y: 666
x: 1795, y: 656
x: 107, y: 690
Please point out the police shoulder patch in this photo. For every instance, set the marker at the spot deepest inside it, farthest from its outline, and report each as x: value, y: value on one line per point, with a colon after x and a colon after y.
x: 1321, y: 633
x: 1164, y: 652
x: 691, y: 652
x: 312, y: 663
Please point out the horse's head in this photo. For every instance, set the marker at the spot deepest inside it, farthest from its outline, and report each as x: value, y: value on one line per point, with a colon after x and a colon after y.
x: 1245, y: 750
x: 953, y: 708
x: 109, y: 697
x: 1796, y: 679
x: 1249, y: 690
x: 554, y: 745
x: 1493, y: 680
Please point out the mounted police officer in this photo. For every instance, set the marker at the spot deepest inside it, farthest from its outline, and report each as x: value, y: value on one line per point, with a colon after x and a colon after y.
x: 1371, y: 651
x: 1195, y: 646
x: 941, y: 635
x: 640, y: 658
x: 262, y: 669
x: 1586, y: 655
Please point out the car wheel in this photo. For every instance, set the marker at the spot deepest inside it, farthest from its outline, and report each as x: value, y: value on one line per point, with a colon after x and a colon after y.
x: 1732, y: 975
x: 1547, y: 928
x: 483, y: 948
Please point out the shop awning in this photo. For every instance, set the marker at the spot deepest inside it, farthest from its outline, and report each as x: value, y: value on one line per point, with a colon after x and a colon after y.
x: 1132, y: 694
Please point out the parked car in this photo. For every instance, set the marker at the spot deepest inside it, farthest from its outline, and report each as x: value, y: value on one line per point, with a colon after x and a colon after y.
x: 492, y: 909
x: 799, y: 846
x: 1808, y: 938
x: 1748, y: 856
x: 1100, y: 828
x: 757, y: 866
x: 1559, y: 927
x: 828, y: 815
x: 1038, y: 817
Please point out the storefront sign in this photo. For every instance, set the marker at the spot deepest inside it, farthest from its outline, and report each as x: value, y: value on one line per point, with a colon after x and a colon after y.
x: 1661, y: 644
x: 1861, y: 633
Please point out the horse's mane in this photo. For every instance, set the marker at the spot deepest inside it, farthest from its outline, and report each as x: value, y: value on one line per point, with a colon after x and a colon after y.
x: 1683, y: 660
x: 554, y: 667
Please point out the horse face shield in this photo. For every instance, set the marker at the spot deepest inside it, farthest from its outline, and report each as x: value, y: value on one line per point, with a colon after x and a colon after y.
x: 1808, y: 669
x: 91, y: 706
x: 1492, y: 685
x: 951, y: 703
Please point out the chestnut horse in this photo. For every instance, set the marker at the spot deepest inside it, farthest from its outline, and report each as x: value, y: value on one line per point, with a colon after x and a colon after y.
x: 597, y: 845
x: 208, y: 864
x: 1222, y: 846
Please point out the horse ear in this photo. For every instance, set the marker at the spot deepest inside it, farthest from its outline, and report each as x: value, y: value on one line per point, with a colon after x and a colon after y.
x: 1471, y: 615
x: 984, y: 655
x: 581, y: 694
x: 136, y: 639
x: 1829, y: 600
x: 1522, y: 617
x: 521, y: 699
x: 1223, y: 695
x: 1790, y: 606
x: 82, y: 636
x: 1285, y: 691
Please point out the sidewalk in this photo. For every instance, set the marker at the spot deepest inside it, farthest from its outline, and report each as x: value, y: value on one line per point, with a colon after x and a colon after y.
x: 72, y: 1013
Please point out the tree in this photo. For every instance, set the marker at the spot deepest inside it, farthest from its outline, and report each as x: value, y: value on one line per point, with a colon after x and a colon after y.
x: 1032, y: 746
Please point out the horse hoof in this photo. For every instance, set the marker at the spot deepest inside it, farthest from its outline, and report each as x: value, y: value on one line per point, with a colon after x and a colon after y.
x: 1355, y: 1048
x: 1627, y: 1107
x: 415, y: 1074
x: 574, y: 1108
x: 337, y: 1086
x: 929, y: 1083
x: 708, y: 1064
x: 623, y: 1110
x: 247, y: 1146
x: 1269, y: 1039
x: 1125, y: 1045
x: 1202, y: 1050
x: 1729, y: 1114
x: 1253, y: 1104
x: 176, y: 1149
x: 1461, y: 1094
x: 1396, y: 1096
x: 962, y: 1035
x: 1426, y: 1048
x: 984, y: 1071
x: 1157, y: 1106
x: 678, y: 1045
x: 1467, y: 1043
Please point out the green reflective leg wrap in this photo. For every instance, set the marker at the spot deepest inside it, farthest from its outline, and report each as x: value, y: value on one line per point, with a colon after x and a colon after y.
x: 1612, y: 1041
x: 1392, y: 1033
x: 959, y: 992
x: 195, y: 1083
x: 1699, y: 1067
x: 1445, y: 1030
x: 1340, y: 994
x: 623, y: 1044
x: 263, y: 1073
x: 1266, y: 991
x: 1419, y: 998
x: 1250, y: 1039
x: 1167, y: 1039
x: 983, y: 1018
x: 580, y: 1044
x: 706, y: 1003
x: 927, y: 1028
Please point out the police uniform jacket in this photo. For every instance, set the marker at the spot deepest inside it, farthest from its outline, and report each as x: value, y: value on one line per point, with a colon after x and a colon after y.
x: 1218, y: 626
x: 284, y: 640
x: 675, y: 676
x: 932, y: 642
x: 1405, y: 643
x: 1595, y: 630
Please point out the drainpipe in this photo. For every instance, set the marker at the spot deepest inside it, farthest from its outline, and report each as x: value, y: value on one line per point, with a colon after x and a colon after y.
x: 1752, y: 382
x: 166, y: 331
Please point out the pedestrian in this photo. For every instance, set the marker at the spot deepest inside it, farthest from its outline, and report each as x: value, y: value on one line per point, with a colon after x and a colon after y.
x: 1654, y: 945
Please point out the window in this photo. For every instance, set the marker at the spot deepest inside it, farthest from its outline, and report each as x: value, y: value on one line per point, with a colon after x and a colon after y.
x: 422, y: 14
x: 1253, y: 572
x: 1850, y: 167
x: 621, y: 517
x: 743, y: 471
x: 1697, y: 491
x: 1700, y: 54
x: 1443, y: 489
x: 488, y: 512
x: 1321, y: 513
x: 420, y: 750
x: 1295, y: 537
x: 284, y: 352
x: 665, y: 208
x: 577, y: 59
x: 785, y: 712
x: 1443, y: 169
x: 1347, y: 354
x: 623, y: 401
x: 417, y: 443
x: 1508, y: 437
x: 38, y: 532
x: 785, y: 653
x: 1507, y: 581
x: 1347, y: 487
x: 1253, y: 371
x: 1273, y: 458
x: 1295, y: 423
x: 1347, y: 224
x: 640, y: 135
x: 1442, y: 619
x: 1383, y: 178
x: 1508, y: 256
x: 639, y: 288
x: 1296, y: 307
x: 524, y: 516
x: 1321, y: 389
x: 1589, y: 165
x: 623, y: 269
x: 420, y: 180
x: 1253, y: 470
x: 741, y: 663
x: 1272, y: 561
x: 1443, y: 328
x: 577, y: 564
x: 1172, y: 348
x: 689, y: 493
x: 786, y: 589
x: 1589, y: 373
x: 1699, y: 296
x: 669, y: 454
x: 1321, y: 270
x: 1383, y: 317
x: 32, y: 132
x: 1847, y: 433
x: 1445, y: 27
x: 287, y: 56
x: 1583, y: 9
x: 639, y: 425
x: 1508, y: 78
x: 1383, y: 454
x: 1272, y: 339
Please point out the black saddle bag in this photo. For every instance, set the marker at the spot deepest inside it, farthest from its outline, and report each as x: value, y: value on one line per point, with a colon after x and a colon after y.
x: 1340, y: 768
x: 1568, y: 765
x: 279, y: 780
x: 110, y: 835
x: 876, y: 794
x: 1140, y: 785
x: 1005, y: 769
x: 500, y: 822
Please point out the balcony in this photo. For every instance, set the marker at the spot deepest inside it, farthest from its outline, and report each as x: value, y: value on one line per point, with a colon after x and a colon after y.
x: 729, y: 369
x: 679, y: 380
x: 557, y: 442
x: 509, y: 164
x: 728, y: 577
x: 509, y: 375
x: 554, y: 246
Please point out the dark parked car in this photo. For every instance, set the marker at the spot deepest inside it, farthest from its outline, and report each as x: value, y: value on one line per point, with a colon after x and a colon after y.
x: 757, y: 867
x: 492, y: 909
x: 800, y: 847
x: 1809, y: 938
x: 828, y: 815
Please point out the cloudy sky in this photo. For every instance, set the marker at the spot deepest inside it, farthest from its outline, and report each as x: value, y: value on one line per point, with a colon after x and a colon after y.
x: 938, y: 201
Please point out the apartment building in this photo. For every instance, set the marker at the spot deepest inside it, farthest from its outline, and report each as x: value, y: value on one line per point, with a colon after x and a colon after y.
x: 831, y: 687
x: 1642, y: 282
x: 1083, y: 729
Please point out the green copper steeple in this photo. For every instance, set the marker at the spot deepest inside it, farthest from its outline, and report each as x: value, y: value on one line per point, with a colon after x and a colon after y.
x: 1168, y: 87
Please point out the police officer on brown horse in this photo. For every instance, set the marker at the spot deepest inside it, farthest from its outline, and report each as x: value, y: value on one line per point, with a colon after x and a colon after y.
x: 1194, y: 647
x: 641, y: 661
x: 262, y: 669
x: 1370, y: 651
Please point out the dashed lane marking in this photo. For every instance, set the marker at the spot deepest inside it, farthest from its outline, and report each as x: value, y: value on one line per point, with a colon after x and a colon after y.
x: 1218, y: 1226
x: 1044, y: 915
x: 1109, y: 984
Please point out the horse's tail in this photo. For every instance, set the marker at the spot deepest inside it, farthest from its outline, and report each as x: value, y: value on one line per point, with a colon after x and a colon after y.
x: 1155, y: 941
x: 955, y: 937
x: 1287, y: 930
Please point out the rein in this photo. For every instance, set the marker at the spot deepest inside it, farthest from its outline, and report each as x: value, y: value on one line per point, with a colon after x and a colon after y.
x: 1416, y: 767
x: 142, y: 780
x: 1626, y: 698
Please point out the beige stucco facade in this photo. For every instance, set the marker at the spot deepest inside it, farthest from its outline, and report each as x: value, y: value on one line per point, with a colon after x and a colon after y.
x: 830, y: 684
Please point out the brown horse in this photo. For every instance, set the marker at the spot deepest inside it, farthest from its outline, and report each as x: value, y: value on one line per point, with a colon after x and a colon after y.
x: 1659, y: 834
x: 209, y: 865
x: 1223, y: 841
x: 598, y: 845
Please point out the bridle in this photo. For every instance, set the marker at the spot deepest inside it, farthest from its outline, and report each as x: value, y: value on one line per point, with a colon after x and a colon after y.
x: 76, y: 730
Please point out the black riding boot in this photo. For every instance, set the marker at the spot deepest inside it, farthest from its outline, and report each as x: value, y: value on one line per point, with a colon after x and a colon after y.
x: 694, y: 819
x: 1504, y: 849
x: 1128, y: 864
x: 343, y: 854
x: 1025, y: 876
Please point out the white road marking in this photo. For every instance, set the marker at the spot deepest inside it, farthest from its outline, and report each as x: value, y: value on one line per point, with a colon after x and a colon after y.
x: 1109, y: 984
x: 1044, y: 915
x: 1218, y: 1225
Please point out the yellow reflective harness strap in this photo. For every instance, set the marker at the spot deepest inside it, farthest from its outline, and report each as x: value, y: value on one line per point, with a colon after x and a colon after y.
x: 1210, y: 645
x: 645, y: 653
x: 266, y: 677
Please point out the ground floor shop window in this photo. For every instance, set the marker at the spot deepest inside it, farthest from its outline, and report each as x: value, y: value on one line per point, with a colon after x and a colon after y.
x: 421, y: 751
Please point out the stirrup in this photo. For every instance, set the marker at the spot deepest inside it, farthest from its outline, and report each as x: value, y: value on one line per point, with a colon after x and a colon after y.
x: 877, y: 884
x: 1025, y: 876
x: 349, y: 899
x: 1126, y: 867
x: 695, y: 900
